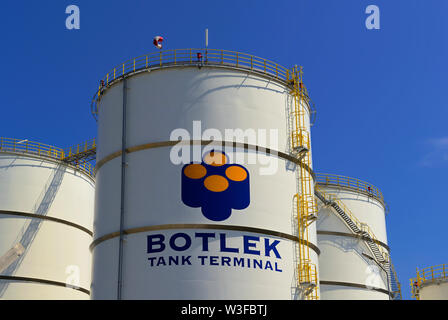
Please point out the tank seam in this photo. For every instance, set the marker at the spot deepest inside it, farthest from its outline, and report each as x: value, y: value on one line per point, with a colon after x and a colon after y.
x: 112, y: 235
x: 233, y: 144
x: 351, y: 284
x: 343, y: 234
x: 53, y: 219
x: 43, y: 281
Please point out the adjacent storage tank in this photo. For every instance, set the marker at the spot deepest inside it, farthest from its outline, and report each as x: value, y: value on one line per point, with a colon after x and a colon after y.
x: 46, y: 217
x: 213, y: 216
x: 431, y: 283
x: 351, y: 232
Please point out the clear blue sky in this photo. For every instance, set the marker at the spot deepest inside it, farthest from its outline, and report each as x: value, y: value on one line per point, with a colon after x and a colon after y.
x: 380, y: 94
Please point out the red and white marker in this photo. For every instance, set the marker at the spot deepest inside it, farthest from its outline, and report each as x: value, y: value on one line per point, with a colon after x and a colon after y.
x: 158, y: 42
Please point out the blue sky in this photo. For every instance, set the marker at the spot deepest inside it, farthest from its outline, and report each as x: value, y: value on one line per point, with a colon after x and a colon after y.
x: 379, y: 94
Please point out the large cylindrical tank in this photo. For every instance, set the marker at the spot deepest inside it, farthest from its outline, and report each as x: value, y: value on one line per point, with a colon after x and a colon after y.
x: 208, y: 230
x: 46, y: 219
x: 350, y: 266
x: 431, y: 283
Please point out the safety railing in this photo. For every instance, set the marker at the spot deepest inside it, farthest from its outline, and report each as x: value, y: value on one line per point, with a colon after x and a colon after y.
x: 431, y: 274
x: 352, y: 183
x: 197, y: 57
x: 30, y: 147
x: 360, y: 225
x: 42, y: 150
x: 427, y: 276
x: 86, y: 167
x: 307, y: 274
x: 87, y: 146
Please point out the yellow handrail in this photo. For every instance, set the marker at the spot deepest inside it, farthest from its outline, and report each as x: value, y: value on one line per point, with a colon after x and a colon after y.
x: 190, y: 56
x: 427, y: 275
x: 42, y: 150
x: 353, y: 183
x: 360, y: 225
x: 432, y: 273
x: 184, y: 56
x: 81, y: 147
x: 30, y: 147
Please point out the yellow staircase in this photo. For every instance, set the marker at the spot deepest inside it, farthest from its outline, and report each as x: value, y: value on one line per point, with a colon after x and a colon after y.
x: 82, y: 152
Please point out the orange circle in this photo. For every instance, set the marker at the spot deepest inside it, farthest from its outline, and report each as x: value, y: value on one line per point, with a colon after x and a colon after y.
x: 195, y: 171
x: 216, y: 183
x: 215, y: 158
x: 236, y: 173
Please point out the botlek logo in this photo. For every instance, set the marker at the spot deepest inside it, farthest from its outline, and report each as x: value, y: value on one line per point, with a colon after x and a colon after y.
x: 215, y: 186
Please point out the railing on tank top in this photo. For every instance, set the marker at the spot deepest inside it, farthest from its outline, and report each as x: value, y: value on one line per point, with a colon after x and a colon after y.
x: 431, y: 274
x: 45, y: 150
x: 325, y: 179
x: 426, y: 276
x: 196, y: 57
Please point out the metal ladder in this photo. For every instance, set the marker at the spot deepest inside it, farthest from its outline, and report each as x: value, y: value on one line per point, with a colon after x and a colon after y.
x: 305, y: 208
x: 395, y: 283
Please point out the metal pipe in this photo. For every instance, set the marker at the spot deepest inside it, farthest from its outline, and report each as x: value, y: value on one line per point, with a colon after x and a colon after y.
x: 122, y: 200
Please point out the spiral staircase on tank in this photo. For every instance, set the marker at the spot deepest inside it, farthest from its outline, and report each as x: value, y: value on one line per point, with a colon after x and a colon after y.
x: 380, y: 255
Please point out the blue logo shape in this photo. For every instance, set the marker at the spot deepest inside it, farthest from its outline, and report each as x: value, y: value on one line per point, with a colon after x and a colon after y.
x: 215, y: 186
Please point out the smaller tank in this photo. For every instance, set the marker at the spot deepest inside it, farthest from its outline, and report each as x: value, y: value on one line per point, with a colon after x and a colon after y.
x: 46, y: 220
x: 431, y: 283
x: 351, y: 234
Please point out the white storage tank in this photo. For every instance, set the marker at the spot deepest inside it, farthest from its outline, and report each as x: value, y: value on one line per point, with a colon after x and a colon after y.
x: 204, y: 221
x: 46, y: 218
x: 431, y: 283
x: 351, y: 232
